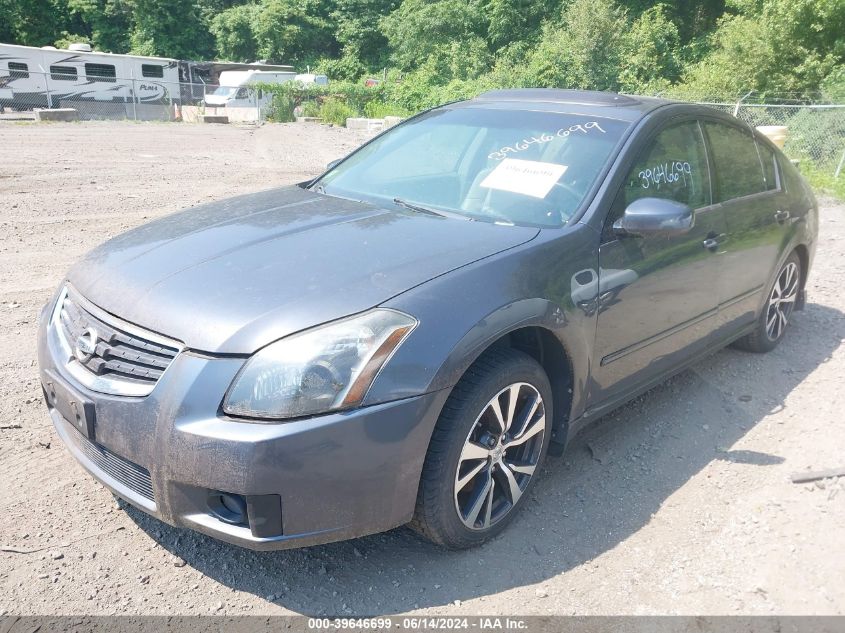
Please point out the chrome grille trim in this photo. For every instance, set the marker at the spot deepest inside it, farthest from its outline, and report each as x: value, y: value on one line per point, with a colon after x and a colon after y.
x: 126, y: 361
x: 135, y: 477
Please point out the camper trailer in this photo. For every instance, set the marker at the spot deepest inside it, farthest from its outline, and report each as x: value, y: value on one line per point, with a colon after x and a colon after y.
x: 48, y: 77
x: 237, y: 88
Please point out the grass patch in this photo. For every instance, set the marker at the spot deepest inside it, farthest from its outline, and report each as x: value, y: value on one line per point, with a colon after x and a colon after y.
x: 822, y: 180
x: 336, y: 111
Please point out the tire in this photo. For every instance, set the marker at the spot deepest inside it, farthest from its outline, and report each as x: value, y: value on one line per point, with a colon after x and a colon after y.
x: 774, y: 317
x: 470, y: 460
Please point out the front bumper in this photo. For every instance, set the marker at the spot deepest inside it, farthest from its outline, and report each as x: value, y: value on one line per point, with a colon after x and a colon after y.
x: 338, y: 476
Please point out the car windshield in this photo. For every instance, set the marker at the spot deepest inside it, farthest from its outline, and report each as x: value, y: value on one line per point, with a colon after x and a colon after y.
x: 224, y: 91
x: 511, y: 167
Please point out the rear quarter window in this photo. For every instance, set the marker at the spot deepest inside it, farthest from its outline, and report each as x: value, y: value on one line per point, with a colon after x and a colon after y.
x: 771, y: 173
x: 739, y: 171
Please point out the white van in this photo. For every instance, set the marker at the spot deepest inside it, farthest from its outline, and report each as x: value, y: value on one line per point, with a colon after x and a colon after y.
x: 237, y: 89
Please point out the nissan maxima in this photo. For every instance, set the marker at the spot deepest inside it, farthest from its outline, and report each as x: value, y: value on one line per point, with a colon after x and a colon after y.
x: 404, y: 338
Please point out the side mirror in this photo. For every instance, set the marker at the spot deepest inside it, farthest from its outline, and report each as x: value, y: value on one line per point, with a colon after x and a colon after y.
x: 655, y: 216
x: 333, y: 164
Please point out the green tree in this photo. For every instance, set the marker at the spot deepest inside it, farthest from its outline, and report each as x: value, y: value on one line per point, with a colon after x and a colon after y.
x: 773, y: 47
x: 34, y: 22
x: 279, y: 31
x: 291, y: 32
x: 651, y: 50
x: 583, y: 49
x: 107, y: 23
x: 517, y: 20
x: 233, y: 33
x: 170, y: 29
x: 359, y: 35
x: 419, y: 28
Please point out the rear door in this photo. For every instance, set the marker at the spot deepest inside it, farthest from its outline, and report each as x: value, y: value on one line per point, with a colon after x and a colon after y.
x: 657, y: 303
x: 747, y: 186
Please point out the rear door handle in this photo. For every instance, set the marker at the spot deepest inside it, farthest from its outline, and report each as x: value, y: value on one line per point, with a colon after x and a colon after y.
x: 781, y: 216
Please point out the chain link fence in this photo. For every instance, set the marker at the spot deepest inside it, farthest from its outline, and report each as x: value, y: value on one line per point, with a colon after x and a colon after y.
x: 815, y: 133
x: 106, y: 97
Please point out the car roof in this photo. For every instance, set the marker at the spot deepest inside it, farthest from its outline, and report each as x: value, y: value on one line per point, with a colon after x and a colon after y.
x: 588, y: 102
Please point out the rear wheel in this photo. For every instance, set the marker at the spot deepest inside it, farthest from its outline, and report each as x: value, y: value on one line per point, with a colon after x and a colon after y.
x: 486, y: 449
x: 773, y: 319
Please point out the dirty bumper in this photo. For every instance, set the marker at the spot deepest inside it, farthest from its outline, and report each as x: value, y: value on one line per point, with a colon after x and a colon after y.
x: 174, y: 455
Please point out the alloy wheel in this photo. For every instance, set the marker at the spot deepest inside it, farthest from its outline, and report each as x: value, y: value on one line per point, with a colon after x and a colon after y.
x: 782, y: 301
x: 500, y: 455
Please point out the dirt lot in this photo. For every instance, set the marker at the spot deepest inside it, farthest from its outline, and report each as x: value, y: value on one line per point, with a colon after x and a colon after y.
x: 680, y: 502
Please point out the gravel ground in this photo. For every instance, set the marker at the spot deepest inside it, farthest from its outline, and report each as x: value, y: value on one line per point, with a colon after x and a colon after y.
x: 679, y: 502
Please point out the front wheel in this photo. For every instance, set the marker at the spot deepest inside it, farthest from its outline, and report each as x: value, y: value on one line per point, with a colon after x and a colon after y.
x: 773, y: 319
x: 486, y: 449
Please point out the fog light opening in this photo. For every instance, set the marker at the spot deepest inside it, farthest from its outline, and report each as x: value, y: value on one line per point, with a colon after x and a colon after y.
x: 227, y: 507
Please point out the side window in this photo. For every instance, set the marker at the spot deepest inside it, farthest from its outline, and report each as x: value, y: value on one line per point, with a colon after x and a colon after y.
x: 243, y: 93
x: 673, y: 166
x: 770, y: 167
x: 738, y: 169
x: 153, y: 71
x: 17, y: 70
x: 100, y: 72
x: 63, y: 73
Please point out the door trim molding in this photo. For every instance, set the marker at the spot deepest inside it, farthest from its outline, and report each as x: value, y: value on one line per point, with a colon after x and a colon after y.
x: 658, y: 337
x: 741, y: 297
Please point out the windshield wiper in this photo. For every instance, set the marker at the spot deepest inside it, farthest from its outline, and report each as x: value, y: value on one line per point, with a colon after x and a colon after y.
x: 421, y: 209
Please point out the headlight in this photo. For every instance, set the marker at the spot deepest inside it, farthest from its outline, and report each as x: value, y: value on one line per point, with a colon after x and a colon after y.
x: 324, y: 369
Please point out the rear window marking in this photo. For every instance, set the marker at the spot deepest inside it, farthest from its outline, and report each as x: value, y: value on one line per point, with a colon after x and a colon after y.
x: 563, y: 132
x: 526, y: 177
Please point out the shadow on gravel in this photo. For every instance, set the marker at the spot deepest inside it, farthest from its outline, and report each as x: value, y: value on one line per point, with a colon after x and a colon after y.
x: 612, y: 479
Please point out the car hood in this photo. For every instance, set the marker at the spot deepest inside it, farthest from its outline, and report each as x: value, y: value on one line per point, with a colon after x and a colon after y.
x: 232, y: 276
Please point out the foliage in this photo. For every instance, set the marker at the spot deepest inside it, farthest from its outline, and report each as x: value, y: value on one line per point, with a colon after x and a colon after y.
x: 358, y: 32
x: 379, y: 110
x: 823, y: 180
x: 433, y: 51
x: 517, y: 20
x: 419, y: 29
x: 651, y: 60
x: 336, y: 110
x: 280, y: 31
x: 817, y: 135
x: 772, y: 47
x: 310, y: 109
x: 583, y: 49
x: 108, y: 22
x: 165, y: 28
x: 234, y: 33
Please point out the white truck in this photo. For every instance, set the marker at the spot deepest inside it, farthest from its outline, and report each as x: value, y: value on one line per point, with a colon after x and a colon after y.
x: 237, y: 87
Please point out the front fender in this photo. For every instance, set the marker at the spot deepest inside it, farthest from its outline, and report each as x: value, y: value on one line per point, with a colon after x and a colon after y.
x: 464, y: 312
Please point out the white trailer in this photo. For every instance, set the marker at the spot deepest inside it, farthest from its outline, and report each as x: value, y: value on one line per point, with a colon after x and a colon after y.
x: 237, y: 88
x: 45, y: 77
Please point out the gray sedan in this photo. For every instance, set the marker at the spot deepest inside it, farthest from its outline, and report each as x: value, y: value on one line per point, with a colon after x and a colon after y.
x: 404, y: 338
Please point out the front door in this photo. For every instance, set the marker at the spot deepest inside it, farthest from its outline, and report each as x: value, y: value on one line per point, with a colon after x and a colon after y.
x: 657, y: 295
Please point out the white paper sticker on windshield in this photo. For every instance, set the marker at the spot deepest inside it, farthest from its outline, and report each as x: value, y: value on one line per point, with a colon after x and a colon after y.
x: 528, y: 177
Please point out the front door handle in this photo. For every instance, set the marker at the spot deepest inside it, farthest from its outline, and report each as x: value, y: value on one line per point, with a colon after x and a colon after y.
x: 781, y: 216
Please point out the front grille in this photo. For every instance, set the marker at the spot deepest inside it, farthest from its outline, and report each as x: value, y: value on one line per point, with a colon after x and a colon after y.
x: 135, y: 477
x: 123, y: 360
